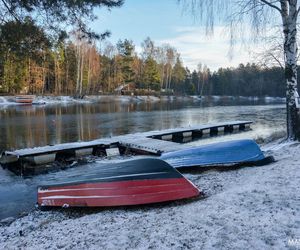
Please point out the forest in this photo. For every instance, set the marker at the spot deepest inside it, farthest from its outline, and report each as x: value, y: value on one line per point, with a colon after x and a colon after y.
x: 77, y: 65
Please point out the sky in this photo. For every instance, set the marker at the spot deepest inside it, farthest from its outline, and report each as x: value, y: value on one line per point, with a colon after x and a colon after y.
x: 165, y: 21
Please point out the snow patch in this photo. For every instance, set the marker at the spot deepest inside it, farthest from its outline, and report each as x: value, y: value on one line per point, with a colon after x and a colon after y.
x: 6, y: 100
x: 269, y: 99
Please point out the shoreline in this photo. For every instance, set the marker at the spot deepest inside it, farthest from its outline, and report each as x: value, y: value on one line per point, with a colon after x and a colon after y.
x: 251, y: 207
x: 9, y: 100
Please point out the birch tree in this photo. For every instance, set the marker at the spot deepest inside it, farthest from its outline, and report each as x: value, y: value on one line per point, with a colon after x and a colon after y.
x: 259, y: 14
x: 148, y: 49
x: 161, y: 58
x: 171, y: 57
x: 110, y: 53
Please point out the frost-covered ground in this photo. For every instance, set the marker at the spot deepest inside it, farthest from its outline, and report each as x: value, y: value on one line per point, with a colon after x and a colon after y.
x: 247, y: 208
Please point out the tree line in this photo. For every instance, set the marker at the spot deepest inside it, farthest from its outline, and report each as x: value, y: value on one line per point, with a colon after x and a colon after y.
x: 247, y: 80
x: 75, y: 65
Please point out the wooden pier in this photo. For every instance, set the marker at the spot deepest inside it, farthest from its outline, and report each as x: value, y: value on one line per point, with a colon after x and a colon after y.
x: 40, y: 159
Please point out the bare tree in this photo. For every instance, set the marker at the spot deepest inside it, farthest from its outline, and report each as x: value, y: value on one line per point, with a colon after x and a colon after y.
x: 161, y: 58
x: 110, y: 52
x: 93, y: 69
x: 260, y: 14
x: 148, y: 48
x: 199, y: 68
x: 80, y: 45
x: 171, y: 59
x: 271, y: 53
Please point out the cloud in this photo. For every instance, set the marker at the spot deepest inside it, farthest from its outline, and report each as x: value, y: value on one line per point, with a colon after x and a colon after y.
x: 195, y: 47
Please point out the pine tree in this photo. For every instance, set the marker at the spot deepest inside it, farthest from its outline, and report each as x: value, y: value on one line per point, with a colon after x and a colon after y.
x: 151, y: 74
x: 126, y: 51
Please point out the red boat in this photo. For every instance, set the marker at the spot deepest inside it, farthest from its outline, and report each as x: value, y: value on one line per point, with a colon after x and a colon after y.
x: 24, y: 99
x: 128, y: 183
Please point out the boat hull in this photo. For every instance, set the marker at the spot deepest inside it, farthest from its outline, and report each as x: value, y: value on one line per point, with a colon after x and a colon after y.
x: 24, y: 99
x: 132, y: 183
x: 223, y: 153
x: 117, y: 193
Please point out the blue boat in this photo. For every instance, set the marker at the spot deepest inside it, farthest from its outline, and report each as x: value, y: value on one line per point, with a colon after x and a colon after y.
x: 222, y: 153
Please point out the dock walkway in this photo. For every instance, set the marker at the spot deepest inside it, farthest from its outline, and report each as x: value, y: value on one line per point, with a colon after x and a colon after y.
x: 152, y: 142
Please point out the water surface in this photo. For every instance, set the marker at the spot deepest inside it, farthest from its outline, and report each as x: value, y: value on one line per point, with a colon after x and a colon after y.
x: 31, y: 126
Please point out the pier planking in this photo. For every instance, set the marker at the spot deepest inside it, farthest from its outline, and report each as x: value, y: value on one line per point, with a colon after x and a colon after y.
x: 152, y: 142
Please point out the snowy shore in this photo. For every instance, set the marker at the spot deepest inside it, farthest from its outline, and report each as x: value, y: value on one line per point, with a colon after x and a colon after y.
x: 48, y: 100
x: 247, y: 208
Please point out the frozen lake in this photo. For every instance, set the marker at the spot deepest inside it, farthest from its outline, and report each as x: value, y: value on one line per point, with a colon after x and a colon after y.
x: 29, y: 126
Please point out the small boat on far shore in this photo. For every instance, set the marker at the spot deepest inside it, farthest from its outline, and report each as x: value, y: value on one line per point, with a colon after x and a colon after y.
x: 24, y: 99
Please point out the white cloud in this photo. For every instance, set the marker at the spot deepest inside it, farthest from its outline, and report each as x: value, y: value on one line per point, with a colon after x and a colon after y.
x: 195, y: 47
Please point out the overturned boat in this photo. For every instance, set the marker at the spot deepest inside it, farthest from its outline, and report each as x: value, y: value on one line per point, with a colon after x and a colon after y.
x: 24, y: 99
x: 216, y: 154
x: 132, y: 182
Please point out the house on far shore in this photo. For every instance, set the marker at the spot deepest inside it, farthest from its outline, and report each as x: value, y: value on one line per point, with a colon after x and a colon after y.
x: 125, y: 89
